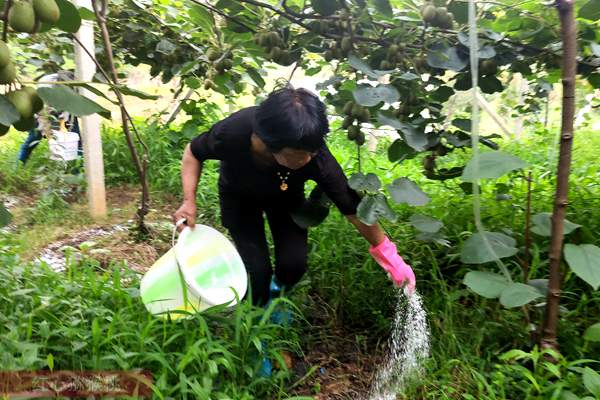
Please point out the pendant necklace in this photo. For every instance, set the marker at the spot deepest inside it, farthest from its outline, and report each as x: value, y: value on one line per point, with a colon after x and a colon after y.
x: 283, y: 178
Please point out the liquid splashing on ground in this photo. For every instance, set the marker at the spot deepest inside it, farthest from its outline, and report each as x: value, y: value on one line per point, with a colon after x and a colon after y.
x: 408, y: 347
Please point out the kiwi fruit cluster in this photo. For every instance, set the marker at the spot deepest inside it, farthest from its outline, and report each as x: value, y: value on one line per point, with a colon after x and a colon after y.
x: 222, y: 61
x: 27, y: 103
x: 354, y: 112
x: 439, y: 17
x: 28, y: 15
x: 275, y: 47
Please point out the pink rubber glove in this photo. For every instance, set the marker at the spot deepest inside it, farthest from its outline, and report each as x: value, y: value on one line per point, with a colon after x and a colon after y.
x: 400, y: 273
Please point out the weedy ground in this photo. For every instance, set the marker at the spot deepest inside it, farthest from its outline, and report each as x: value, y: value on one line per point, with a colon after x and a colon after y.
x: 91, y: 317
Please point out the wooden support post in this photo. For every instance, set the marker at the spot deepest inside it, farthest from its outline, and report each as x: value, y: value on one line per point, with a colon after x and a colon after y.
x: 90, y: 125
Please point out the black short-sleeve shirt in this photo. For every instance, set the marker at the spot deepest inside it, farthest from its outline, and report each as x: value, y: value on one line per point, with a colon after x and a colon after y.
x: 229, y: 141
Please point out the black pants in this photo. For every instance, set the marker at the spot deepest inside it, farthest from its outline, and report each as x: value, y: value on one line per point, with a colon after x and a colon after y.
x: 245, y: 222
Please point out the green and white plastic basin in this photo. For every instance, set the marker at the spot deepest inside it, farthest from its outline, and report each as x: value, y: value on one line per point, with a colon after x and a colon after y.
x: 202, y: 270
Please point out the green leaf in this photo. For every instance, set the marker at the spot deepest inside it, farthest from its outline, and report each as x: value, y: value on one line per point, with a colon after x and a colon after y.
x: 408, y: 76
x: 416, y: 139
x: 70, y: 20
x: 369, y: 96
x: 384, y: 7
x: 193, y: 83
x: 442, y: 94
x: 362, y: 182
x: 460, y: 11
x: 592, y: 333
x: 165, y: 46
x: 310, y: 214
x: 425, y: 223
x: 403, y: 190
x: 50, y: 361
x: 66, y: 99
x: 5, y: 216
x: 87, y: 14
x: 493, y: 165
x: 590, y: 10
x: 541, y: 285
x: 256, y: 77
x: 400, y: 151
x: 437, y: 237
x: 584, y: 260
x: 97, y: 92
x: 325, y: 7
x: 591, y: 380
x: 568, y: 395
x: 444, y: 57
x: 136, y: 93
x: 490, y: 84
x: 475, y: 250
x: 486, y: 52
x: 363, y: 67
x: 201, y: 17
x: 462, y: 123
x: 486, y: 284
x: 542, y: 225
x: 594, y: 80
x: 518, y: 294
x: 372, y: 207
x: 595, y: 47
x: 8, y: 112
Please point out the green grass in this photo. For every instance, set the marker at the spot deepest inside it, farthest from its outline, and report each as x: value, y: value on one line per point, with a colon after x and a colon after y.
x: 469, y: 333
x: 87, y: 319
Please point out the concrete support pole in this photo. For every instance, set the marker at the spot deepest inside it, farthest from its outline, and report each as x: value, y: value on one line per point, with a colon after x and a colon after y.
x: 90, y: 125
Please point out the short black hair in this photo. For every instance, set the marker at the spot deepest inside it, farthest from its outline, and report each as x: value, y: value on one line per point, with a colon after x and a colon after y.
x: 294, y: 118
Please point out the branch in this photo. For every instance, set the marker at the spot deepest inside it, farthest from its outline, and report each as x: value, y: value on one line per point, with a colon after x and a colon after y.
x: 5, y: 20
x: 113, y: 87
x: 309, y: 28
x: 141, y: 166
x: 221, y: 13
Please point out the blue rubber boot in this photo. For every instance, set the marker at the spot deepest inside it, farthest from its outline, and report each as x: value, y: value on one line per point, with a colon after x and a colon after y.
x: 281, y: 315
x: 266, y: 368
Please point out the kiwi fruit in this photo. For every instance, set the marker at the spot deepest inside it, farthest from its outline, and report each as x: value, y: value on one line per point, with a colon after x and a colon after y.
x: 353, y: 132
x: 347, y: 122
x: 348, y: 107
x: 21, y: 16
x: 365, y: 115
x: 360, y: 138
x: 346, y: 44
x: 8, y: 73
x: 22, y: 102
x: 36, y: 101
x: 428, y: 13
x: 488, y: 67
x: 46, y: 11
x: 4, y: 54
x: 385, y: 65
x: 209, y: 84
x: 213, y: 54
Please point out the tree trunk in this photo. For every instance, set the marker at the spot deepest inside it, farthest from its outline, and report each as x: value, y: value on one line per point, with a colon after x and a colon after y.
x: 140, y: 163
x: 568, y: 32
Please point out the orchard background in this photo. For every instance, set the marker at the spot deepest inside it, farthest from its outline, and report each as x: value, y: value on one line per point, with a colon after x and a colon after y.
x: 498, y: 218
